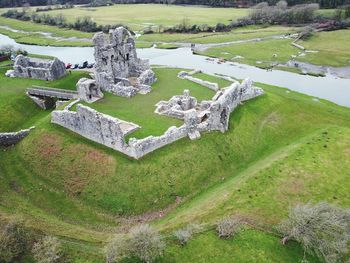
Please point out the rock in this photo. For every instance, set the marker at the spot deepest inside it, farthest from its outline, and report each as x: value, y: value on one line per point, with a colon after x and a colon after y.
x: 44, y: 69
x: 10, y: 73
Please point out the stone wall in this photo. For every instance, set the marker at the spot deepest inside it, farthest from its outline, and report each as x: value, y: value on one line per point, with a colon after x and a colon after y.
x: 206, y: 116
x: 91, y: 124
x: 207, y: 84
x: 44, y: 69
x: 11, y: 138
x: 117, y: 63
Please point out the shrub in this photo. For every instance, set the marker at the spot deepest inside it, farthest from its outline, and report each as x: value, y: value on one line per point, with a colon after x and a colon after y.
x: 48, y: 250
x: 185, y: 234
x: 13, y: 241
x: 228, y: 227
x: 116, y: 250
x: 322, y: 229
x: 146, y: 243
x: 263, y: 13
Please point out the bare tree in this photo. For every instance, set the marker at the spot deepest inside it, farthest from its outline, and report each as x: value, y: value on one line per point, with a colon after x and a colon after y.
x: 322, y: 229
x: 146, y: 243
x: 117, y: 249
x: 13, y: 241
x: 228, y: 227
x: 48, y: 250
x: 184, y: 235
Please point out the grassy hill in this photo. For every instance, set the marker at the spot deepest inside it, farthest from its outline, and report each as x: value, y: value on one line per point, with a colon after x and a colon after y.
x: 281, y: 149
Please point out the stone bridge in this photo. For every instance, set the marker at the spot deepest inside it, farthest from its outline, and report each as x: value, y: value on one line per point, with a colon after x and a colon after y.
x: 46, y: 98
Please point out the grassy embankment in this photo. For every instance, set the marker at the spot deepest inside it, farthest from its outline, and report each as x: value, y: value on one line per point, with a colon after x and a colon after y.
x: 281, y: 149
x: 333, y: 50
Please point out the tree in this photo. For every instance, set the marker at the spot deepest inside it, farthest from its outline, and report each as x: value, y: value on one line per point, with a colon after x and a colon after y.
x: 228, y: 227
x: 184, y: 235
x: 117, y: 249
x: 322, y: 229
x: 146, y: 243
x: 13, y: 241
x: 48, y: 250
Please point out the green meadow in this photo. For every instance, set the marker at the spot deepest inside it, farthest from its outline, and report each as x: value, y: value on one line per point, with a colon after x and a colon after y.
x: 282, y: 148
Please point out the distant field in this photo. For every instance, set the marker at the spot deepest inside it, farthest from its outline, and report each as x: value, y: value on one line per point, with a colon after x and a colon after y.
x: 143, y: 15
x: 28, y: 33
x: 333, y: 50
x: 333, y: 47
x: 247, y: 32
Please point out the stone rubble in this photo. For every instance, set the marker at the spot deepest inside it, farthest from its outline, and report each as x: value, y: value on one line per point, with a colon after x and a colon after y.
x: 44, y: 69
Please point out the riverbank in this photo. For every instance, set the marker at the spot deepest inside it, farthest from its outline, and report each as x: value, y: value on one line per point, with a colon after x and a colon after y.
x: 328, y: 87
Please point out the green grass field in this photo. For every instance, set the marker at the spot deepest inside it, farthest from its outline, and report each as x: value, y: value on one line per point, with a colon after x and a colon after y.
x: 31, y: 37
x: 281, y: 149
x: 332, y: 47
x: 140, y: 16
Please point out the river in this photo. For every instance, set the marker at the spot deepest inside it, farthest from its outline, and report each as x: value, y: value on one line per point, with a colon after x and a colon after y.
x: 330, y: 88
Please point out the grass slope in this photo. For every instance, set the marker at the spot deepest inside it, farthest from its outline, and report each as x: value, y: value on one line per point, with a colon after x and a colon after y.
x: 274, y: 155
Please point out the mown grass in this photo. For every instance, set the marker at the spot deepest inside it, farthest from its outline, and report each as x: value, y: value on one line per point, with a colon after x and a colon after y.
x: 140, y: 16
x: 273, y: 156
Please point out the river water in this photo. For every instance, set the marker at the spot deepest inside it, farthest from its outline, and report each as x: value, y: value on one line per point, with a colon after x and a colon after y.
x: 330, y: 88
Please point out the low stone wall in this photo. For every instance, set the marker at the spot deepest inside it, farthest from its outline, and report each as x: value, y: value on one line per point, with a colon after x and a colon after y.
x: 207, y: 84
x: 108, y: 131
x: 11, y: 138
x: 91, y: 124
x: 139, y: 148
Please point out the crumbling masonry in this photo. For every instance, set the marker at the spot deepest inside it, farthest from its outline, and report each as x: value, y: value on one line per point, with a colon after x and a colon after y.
x: 37, y: 68
x: 198, y: 117
x: 118, y: 69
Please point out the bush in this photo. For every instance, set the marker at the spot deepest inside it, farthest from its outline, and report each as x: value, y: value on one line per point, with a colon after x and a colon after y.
x: 146, y: 243
x: 322, y: 229
x: 96, y: 3
x: 13, y: 241
x: 116, y: 250
x: 228, y: 227
x: 263, y: 13
x: 185, y: 234
x: 47, y: 250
